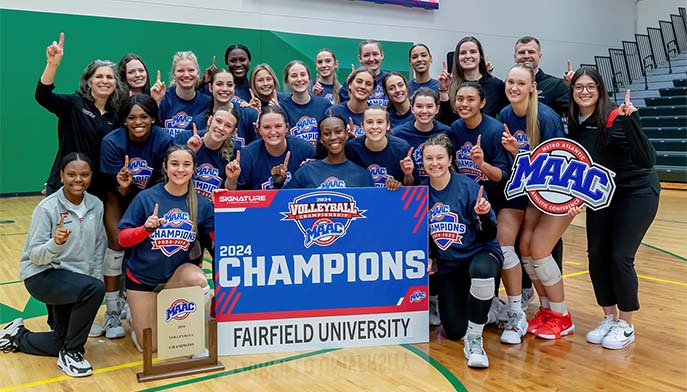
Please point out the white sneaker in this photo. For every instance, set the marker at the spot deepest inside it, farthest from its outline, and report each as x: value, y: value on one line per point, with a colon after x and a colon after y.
x: 498, y: 312
x: 527, y: 297
x: 8, y: 335
x: 516, y: 328
x: 434, y: 319
x: 97, y: 330
x: 124, y: 315
x: 74, y: 364
x: 113, y: 325
x: 620, y: 336
x: 597, y: 335
x: 474, y: 352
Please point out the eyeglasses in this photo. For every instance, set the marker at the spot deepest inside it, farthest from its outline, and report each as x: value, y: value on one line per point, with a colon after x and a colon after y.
x: 592, y: 87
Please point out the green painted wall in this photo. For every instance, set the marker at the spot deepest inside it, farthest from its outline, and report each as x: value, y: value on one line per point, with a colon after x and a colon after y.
x: 28, y: 133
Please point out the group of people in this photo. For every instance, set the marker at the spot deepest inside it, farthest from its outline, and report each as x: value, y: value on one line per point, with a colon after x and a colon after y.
x: 129, y: 196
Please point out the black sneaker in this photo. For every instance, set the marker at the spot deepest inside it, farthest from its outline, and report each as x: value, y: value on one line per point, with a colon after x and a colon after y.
x: 74, y: 364
x: 8, y: 335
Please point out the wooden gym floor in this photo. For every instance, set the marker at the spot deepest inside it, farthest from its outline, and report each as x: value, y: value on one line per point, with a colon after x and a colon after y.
x: 656, y: 362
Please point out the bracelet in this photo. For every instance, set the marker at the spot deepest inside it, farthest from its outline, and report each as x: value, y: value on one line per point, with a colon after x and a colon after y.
x: 149, y: 229
x: 444, y: 90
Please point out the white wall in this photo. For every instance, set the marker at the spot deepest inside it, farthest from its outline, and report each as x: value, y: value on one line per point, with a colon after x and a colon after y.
x: 649, y: 12
x: 577, y: 29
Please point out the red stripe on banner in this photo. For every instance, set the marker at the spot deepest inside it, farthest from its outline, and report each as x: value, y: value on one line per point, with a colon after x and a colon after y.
x: 320, y: 313
x: 410, y: 199
x: 405, y: 193
x: 422, y: 192
x: 218, y: 300
x: 422, y: 204
x: 419, y: 221
x: 227, y: 300
x: 231, y: 308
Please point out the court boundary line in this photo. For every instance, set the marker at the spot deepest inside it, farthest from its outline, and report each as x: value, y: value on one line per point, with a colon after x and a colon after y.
x: 450, y: 377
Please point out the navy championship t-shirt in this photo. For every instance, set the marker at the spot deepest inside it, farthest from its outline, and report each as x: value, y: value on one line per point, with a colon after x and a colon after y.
x: 323, y: 175
x: 380, y: 164
x: 550, y: 125
x: 415, y: 138
x: 303, y: 119
x: 145, y: 158
x: 178, y: 114
x: 154, y: 260
x: 257, y: 163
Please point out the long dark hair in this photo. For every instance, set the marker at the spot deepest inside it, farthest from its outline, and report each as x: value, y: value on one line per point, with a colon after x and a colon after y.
x: 457, y: 71
x: 121, y: 69
x: 604, y: 106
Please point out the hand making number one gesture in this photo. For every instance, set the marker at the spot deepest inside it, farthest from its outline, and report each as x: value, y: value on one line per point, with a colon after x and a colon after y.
x: 407, y: 164
x: 482, y: 206
x: 476, y: 153
x: 627, y: 108
x: 124, y: 177
x: 159, y: 89
x: 509, y: 142
x: 153, y: 222
x: 209, y: 70
x: 445, y: 78
x: 279, y: 172
x: 61, y: 234
x: 568, y: 75
x: 55, y: 51
x: 195, y: 142
x: 233, y: 168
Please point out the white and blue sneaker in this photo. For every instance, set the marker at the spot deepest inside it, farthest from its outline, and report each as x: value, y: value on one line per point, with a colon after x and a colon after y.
x: 8, y: 335
x: 74, y: 364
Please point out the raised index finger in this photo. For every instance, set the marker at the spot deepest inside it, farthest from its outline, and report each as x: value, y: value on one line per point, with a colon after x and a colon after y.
x: 158, y: 76
x: 479, y: 195
x: 479, y: 140
x: 155, y: 210
x: 126, y: 162
x: 627, y: 96
x: 286, y: 160
x: 505, y: 127
x: 61, y: 225
x: 214, y: 60
x: 61, y: 43
x: 238, y: 156
x: 443, y: 65
x: 195, y: 130
x: 570, y: 66
x: 410, y: 152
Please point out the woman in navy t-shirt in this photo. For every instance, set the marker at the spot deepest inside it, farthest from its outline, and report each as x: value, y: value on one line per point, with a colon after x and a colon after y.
x: 327, y: 83
x: 159, y: 228
x: 361, y: 83
x: 333, y: 170
x: 396, y: 89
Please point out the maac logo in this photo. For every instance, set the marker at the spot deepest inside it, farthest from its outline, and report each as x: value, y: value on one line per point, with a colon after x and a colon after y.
x: 180, y: 309
x: 140, y: 172
x: 444, y: 227
x: 378, y: 174
x: 558, y: 175
x: 175, y: 235
x: 466, y: 165
x: 523, y: 141
x: 207, y: 179
x: 378, y: 98
x: 417, y: 296
x: 178, y: 123
x: 323, y: 217
x: 306, y: 129
x: 332, y: 183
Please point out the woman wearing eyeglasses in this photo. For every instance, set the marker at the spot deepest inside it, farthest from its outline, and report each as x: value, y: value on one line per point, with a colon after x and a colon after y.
x: 614, y: 138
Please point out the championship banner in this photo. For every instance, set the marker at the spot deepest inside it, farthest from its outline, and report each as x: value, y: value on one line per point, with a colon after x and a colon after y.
x: 309, y: 269
x: 558, y: 175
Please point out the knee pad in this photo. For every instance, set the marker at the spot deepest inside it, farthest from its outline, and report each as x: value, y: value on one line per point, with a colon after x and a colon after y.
x: 112, y: 262
x: 482, y: 289
x: 529, y: 267
x: 510, y: 259
x: 547, y: 270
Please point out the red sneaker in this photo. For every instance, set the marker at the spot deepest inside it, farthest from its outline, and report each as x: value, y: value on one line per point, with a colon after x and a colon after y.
x: 556, y: 326
x: 538, y: 320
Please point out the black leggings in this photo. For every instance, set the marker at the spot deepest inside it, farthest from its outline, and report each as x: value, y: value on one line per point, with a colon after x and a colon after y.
x: 75, y: 299
x: 456, y: 305
x: 613, y: 237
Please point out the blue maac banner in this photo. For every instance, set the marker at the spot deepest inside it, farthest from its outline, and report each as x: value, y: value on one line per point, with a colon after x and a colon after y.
x: 305, y: 269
